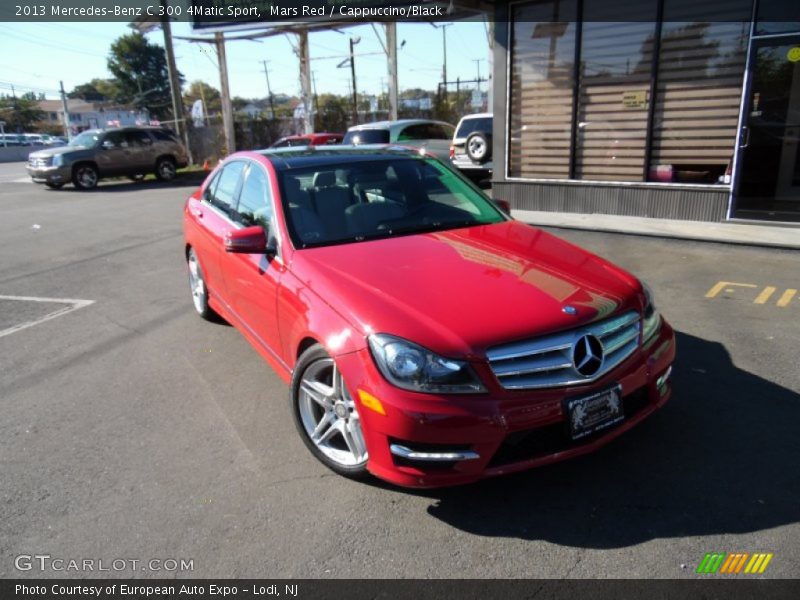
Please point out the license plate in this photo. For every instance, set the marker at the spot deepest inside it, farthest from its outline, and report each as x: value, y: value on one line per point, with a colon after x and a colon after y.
x: 589, y: 414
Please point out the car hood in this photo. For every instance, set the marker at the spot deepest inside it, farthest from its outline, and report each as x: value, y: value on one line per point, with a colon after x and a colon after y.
x: 461, y: 291
x: 48, y: 152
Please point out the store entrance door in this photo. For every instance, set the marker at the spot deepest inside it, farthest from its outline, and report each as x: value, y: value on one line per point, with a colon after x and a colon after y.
x: 768, y: 183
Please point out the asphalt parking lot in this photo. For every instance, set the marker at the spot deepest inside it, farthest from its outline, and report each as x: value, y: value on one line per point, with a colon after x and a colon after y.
x: 131, y: 429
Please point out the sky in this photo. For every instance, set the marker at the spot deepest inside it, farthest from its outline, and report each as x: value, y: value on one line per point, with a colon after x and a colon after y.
x: 35, y: 56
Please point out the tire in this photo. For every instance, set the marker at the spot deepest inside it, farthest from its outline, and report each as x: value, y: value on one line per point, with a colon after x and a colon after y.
x: 85, y: 177
x: 136, y: 177
x: 54, y: 186
x: 322, y: 407
x: 166, y: 170
x: 479, y: 146
x: 198, y: 288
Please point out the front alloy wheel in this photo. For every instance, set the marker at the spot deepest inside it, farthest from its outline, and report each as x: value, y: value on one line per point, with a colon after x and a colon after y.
x: 85, y: 177
x: 326, y: 415
x: 197, y: 285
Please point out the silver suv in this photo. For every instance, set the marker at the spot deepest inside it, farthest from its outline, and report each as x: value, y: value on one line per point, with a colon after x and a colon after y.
x: 471, y: 150
x: 94, y: 154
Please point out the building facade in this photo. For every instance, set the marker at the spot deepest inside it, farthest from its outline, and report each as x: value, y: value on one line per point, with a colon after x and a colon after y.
x: 657, y: 108
x: 91, y: 115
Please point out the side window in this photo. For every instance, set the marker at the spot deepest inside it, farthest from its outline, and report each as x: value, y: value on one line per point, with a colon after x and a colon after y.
x: 437, y: 132
x: 162, y: 135
x: 413, y: 132
x: 138, y: 139
x: 255, y: 206
x: 225, y: 188
x: 117, y: 138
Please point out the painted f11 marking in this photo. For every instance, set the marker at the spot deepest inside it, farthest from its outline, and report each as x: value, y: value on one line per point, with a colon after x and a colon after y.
x: 70, y: 305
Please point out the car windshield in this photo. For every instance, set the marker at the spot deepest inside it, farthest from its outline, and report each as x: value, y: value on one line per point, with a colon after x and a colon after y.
x: 87, y: 139
x: 346, y: 202
x: 366, y: 136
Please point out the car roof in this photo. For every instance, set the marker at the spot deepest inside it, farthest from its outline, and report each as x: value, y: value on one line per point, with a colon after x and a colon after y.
x: 477, y: 116
x: 297, y: 157
x: 393, y: 124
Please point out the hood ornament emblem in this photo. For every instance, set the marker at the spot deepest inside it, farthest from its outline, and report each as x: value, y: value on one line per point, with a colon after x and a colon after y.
x: 570, y: 310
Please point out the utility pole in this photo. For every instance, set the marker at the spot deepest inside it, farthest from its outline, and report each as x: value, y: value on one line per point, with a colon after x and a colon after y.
x: 444, y: 27
x: 65, y: 109
x: 225, y: 93
x: 269, y: 90
x: 353, y: 42
x: 174, y: 84
x: 391, y: 51
x: 316, y: 98
x: 305, y: 80
x: 477, y: 62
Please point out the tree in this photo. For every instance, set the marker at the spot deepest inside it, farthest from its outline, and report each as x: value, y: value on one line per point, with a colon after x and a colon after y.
x: 140, y: 72
x: 96, y: 90
x: 20, y: 113
x: 200, y: 90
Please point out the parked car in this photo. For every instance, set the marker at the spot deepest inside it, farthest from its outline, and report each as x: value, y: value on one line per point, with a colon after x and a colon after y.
x: 311, y: 139
x: 427, y: 337
x: 96, y: 154
x: 471, y: 149
x: 13, y: 139
x: 432, y: 136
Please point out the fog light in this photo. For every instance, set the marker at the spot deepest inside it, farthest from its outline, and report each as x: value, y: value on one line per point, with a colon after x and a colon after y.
x: 661, y: 382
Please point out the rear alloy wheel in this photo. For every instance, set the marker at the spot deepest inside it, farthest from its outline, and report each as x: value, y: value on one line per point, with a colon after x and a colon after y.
x: 166, y: 169
x: 197, y: 285
x: 326, y: 415
x: 85, y: 177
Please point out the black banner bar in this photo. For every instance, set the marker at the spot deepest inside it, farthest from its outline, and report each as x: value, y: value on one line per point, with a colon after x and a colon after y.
x: 710, y: 588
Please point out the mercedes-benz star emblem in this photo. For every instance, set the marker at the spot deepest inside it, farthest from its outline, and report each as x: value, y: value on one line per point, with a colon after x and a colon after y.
x: 587, y: 355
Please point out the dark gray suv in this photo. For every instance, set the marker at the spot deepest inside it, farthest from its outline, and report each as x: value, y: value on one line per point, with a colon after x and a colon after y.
x: 94, y: 154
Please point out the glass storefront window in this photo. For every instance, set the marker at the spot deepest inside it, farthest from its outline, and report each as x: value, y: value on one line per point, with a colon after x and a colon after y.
x: 698, y: 92
x: 613, y: 118
x: 542, y: 89
x: 614, y: 90
x: 777, y: 16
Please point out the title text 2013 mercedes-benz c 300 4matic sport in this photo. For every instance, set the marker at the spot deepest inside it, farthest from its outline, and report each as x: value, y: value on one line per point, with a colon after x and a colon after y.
x: 428, y: 338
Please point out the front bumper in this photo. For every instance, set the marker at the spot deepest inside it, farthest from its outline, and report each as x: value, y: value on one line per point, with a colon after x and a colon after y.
x: 429, y: 441
x: 50, y: 174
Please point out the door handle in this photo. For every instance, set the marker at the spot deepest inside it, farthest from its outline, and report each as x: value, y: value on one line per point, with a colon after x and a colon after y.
x: 745, y: 137
x: 197, y: 212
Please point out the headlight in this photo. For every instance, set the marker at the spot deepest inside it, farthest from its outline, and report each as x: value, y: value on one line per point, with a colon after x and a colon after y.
x: 58, y: 160
x: 412, y: 367
x: 652, y: 318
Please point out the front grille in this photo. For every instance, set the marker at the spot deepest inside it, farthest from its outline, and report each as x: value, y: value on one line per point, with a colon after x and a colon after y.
x: 38, y: 162
x: 547, y: 361
x: 543, y: 441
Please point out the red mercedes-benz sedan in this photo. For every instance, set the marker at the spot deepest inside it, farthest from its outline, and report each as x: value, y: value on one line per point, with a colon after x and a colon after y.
x: 428, y: 338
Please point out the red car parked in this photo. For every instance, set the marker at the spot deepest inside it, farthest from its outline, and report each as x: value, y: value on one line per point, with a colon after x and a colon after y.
x: 311, y: 139
x: 428, y: 338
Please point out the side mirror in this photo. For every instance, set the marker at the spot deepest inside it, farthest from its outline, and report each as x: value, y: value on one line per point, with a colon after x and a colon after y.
x: 503, y: 205
x: 108, y: 145
x: 250, y: 240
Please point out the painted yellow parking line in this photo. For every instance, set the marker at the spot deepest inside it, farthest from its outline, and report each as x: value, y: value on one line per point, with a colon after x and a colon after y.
x: 787, y: 296
x: 764, y: 295
x: 722, y: 285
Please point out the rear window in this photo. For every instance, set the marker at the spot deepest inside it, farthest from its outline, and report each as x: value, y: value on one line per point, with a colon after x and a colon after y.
x: 366, y: 136
x: 468, y: 126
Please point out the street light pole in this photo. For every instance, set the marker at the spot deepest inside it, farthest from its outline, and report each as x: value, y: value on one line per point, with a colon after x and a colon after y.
x: 443, y: 27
